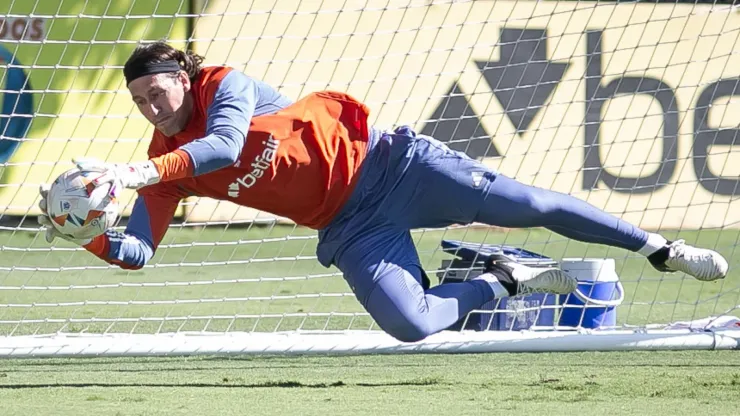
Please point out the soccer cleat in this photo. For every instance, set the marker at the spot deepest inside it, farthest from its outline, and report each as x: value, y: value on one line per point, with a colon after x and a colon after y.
x: 703, y: 264
x: 519, y: 279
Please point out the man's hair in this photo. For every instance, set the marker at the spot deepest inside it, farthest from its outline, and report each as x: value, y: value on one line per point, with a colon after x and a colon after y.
x: 160, y: 51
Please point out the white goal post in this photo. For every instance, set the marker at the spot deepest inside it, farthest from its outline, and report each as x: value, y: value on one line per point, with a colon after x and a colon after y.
x: 633, y: 107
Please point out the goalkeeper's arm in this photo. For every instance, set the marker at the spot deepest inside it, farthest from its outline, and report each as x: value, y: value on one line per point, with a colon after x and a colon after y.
x: 152, y: 214
x: 235, y: 101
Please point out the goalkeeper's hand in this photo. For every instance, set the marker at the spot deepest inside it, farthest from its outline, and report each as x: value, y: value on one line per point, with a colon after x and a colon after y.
x: 51, y: 231
x: 129, y: 175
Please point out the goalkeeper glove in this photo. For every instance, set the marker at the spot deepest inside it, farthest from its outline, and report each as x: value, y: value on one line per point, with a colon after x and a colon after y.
x: 51, y: 231
x: 130, y: 175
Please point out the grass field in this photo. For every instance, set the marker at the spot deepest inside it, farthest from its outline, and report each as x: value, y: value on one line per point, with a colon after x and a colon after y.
x: 235, y: 279
x: 633, y: 383
x: 239, y: 284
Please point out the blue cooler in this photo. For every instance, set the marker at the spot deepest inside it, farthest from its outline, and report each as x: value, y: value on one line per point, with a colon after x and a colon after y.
x: 507, y: 314
x: 594, y: 303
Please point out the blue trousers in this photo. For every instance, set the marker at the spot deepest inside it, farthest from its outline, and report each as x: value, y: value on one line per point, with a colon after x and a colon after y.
x: 408, y: 182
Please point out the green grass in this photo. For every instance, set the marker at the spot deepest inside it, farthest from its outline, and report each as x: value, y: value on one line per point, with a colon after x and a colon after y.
x: 628, y: 383
x: 257, y: 254
x: 660, y: 383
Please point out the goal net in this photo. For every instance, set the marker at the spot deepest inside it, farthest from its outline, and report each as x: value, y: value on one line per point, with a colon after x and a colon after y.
x: 632, y: 107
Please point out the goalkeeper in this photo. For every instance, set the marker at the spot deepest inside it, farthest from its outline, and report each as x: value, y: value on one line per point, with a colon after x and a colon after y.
x: 223, y: 135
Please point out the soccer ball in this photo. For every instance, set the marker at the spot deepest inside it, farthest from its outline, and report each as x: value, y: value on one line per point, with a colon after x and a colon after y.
x: 80, y: 209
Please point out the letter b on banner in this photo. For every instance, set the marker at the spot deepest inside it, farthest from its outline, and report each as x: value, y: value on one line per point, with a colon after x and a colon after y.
x: 596, y: 96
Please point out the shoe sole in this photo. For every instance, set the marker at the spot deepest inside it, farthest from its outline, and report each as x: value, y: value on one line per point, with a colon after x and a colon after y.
x: 715, y: 275
x: 716, y: 272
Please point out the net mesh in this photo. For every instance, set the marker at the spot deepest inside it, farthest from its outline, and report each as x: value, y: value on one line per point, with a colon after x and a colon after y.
x: 630, y: 106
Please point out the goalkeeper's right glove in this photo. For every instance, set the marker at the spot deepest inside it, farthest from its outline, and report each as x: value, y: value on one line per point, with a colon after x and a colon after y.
x: 129, y: 175
x: 51, y: 231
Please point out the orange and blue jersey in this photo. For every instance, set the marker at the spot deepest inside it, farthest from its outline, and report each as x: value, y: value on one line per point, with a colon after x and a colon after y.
x: 247, y: 144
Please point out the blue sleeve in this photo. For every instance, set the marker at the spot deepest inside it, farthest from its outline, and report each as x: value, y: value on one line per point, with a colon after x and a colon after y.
x: 133, y: 248
x: 152, y: 213
x: 127, y: 250
x: 237, y: 99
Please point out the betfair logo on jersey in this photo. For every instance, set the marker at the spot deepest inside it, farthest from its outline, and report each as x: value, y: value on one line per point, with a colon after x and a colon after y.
x: 233, y: 190
x: 259, y: 165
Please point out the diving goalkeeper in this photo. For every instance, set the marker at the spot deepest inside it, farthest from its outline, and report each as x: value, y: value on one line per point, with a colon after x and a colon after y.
x: 223, y: 135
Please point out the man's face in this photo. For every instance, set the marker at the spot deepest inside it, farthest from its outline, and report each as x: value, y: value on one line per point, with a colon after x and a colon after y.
x: 164, y: 100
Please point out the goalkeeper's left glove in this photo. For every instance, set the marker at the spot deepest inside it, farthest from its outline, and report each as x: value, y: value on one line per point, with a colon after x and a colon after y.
x: 130, y: 175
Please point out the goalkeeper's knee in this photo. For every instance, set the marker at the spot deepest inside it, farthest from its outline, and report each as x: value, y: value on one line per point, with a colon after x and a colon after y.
x: 407, y: 328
